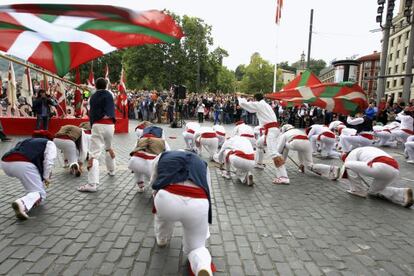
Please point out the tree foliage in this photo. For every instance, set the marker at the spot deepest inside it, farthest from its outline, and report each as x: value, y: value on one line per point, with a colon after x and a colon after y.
x: 258, y: 76
x: 316, y: 65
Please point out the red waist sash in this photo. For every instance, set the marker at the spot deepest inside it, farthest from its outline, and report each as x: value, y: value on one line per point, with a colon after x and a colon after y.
x: 208, y: 135
x: 107, y: 121
x: 143, y: 155
x: 190, y: 131
x: 149, y: 135
x: 220, y: 133
x: 367, y: 136
x: 408, y: 131
x: 386, y: 160
x: 299, y: 137
x: 326, y: 134
x: 88, y: 131
x: 247, y: 135
x: 240, y: 154
x: 15, y: 157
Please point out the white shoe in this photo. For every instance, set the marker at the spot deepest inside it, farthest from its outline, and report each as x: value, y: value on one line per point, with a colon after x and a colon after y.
x: 20, y: 209
x: 111, y: 173
x: 260, y: 166
x: 91, y: 188
x: 250, y: 181
x: 281, y: 181
x: 334, y: 172
x: 226, y: 175
x: 410, y: 161
x: 357, y: 193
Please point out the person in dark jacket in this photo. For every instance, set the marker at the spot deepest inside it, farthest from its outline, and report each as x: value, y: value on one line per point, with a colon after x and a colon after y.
x: 182, y: 182
x: 31, y: 161
x: 41, y: 107
x: 102, y: 119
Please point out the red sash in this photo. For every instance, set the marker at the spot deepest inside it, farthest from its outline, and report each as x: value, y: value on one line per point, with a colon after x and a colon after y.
x: 208, y: 135
x: 239, y: 123
x: 386, y: 160
x: 240, y: 154
x: 149, y: 135
x: 326, y: 134
x: 367, y: 136
x: 88, y: 131
x: 140, y: 126
x: 220, y: 133
x: 190, y: 131
x: 385, y: 129
x: 15, y: 157
x: 247, y: 135
x: 267, y: 127
x: 143, y: 155
x: 299, y: 137
x: 107, y: 121
x: 408, y: 131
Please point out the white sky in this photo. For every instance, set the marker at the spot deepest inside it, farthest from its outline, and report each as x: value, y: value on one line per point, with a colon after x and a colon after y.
x: 243, y: 27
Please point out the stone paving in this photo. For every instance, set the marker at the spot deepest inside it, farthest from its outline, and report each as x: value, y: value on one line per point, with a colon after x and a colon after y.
x: 311, y: 227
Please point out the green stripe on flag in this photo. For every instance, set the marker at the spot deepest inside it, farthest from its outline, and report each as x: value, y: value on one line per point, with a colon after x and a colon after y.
x: 47, y: 17
x: 304, y: 78
x: 7, y: 26
x: 124, y: 28
x: 330, y: 91
x: 351, y: 106
x: 61, y: 57
x: 310, y: 100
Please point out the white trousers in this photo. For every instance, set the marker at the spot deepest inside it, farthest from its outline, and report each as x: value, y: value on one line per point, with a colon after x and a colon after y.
x: 210, y: 144
x: 271, y: 144
x: 68, y: 148
x: 141, y: 167
x: 383, y: 175
x: 193, y: 214
x: 241, y: 166
x: 349, y: 143
x: 400, y: 135
x: 29, y: 176
x: 328, y: 147
x: 409, y: 147
x: 384, y: 138
x: 188, y: 139
x: 221, y: 140
x: 304, y: 150
x: 101, y: 139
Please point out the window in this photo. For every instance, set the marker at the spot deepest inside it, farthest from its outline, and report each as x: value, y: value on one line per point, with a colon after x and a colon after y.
x: 392, y: 42
x: 404, y: 66
x: 398, y: 53
x: 365, y: 86
x: 388, y: 84
x: 394, y: 83
x: 402, y: 81
x: 396, y: 69
x: 389, y: 71
x: 365, y: 75
x: 405, y: 50
x: 367, y: 64
x: 407, y: 35
x: 399, y: 39
x: 400, y: 95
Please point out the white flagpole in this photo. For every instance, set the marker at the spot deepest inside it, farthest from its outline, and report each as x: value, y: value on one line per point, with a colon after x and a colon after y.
x: 276, y: 58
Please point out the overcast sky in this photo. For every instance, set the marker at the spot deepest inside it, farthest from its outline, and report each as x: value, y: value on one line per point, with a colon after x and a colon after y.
x: 242, y: 27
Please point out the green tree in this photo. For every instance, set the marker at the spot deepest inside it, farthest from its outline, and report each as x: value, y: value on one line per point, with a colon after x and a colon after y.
x: 240, y: 71
x: 285, y: 65
x: 316, y: 65
x: 226, y: 81
x: 258, y: 76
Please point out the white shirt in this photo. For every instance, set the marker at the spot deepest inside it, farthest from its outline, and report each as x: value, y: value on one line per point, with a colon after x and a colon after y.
x: 286, y: 137
x: 334, y: 125
x: 49, y: 156
x: 200, y: 108
x: 202, y: 130
x: 236, y: 143
x: 219, y: 128
x: 192, y: 125
x: 354, y: 121
x: 263, y: 110
x: 243, y: 129
x: 406, y: 121
x: 366, y: 154
x: 316, y: 129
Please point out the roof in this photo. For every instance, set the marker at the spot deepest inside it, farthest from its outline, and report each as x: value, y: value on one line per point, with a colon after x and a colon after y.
x: 373, y: 56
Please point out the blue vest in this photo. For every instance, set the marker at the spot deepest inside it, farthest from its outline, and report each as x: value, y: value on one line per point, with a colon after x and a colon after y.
x: 179, y: 166
x: 33, y: 149
x: 154, y: 130
x: 101, y: 105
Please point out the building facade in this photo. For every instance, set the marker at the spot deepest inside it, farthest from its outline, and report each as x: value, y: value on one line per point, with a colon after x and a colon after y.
x: 327, y: 74
x: 397, y: 56
x: 368, y: 70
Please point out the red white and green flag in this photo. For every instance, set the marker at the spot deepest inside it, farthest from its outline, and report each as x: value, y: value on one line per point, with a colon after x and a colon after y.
x: 60, y: 37
x: 122, y: 98
x: 279, y: 7
x: 27, y: 87
x: 60, y: 96
x: 12, y: 87
x: 78, y: 95
x: 91, y: 78
x: 345, y: 98
x: 107, y: 75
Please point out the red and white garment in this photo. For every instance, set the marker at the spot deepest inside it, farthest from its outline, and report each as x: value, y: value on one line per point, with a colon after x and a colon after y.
x: 190, y: 129
x: 206, y: 137
x: 221, y: 133
x: 246, y: 131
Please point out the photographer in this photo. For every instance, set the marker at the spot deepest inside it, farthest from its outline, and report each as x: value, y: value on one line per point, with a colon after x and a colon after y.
x: 41, y: 107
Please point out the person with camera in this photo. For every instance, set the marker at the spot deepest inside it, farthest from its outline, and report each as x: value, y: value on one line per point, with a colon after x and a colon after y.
x: 42, y: 108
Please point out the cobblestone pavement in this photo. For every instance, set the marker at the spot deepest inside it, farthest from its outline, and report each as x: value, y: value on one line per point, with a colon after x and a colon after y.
x: 311, y: 227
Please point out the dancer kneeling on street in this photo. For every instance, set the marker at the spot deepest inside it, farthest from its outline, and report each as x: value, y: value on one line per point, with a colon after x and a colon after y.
x: 206, y: 137
x: 102, y: 119
x: 73, y: 142
x: 267, y: 119
x: 190, y: 129
x: 31, y: 161
x: 237, y: 153
x: 384, y: 169
x: 182, y: 183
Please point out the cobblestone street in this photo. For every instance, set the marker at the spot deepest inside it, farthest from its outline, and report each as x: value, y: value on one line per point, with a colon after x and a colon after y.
x: 311, y: 227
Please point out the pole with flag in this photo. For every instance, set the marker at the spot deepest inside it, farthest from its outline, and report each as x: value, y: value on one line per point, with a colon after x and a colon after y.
x: 27, y: 87
x: 279, y: 7
x: 11, y: 87
x: 91, y: 78
x: 122, y: 99
x: 107, y: 76
x: 78, y: 95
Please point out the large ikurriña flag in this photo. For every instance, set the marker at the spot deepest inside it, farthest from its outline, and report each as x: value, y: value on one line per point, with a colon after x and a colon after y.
x: 60, y: 37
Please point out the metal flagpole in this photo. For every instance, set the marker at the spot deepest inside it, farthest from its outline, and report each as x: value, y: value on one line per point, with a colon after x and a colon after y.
x: 276, y: 58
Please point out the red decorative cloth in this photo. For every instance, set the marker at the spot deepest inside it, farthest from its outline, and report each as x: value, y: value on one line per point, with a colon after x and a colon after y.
x: 386, y: 160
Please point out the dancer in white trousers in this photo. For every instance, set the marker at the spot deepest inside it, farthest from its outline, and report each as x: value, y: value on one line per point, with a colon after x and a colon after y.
x: 182, y: 184
x: 384, y: 135
x: 237, y: 153
x: 322, y: 140
x: 142, y: 158
x: 190, y: 129
x: 243, y: 130
x: 364, y: 136
x: 73, y: 143
x: 409, y: 149
x: 267, y: 119
x: 206, y: 137
x: 102, y: 118
x: 31, y: 161
x: 221, y: 134
x: 406, y: 128
x: 379, y: 165
x: 140, y: 128
x: 293, y: 139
